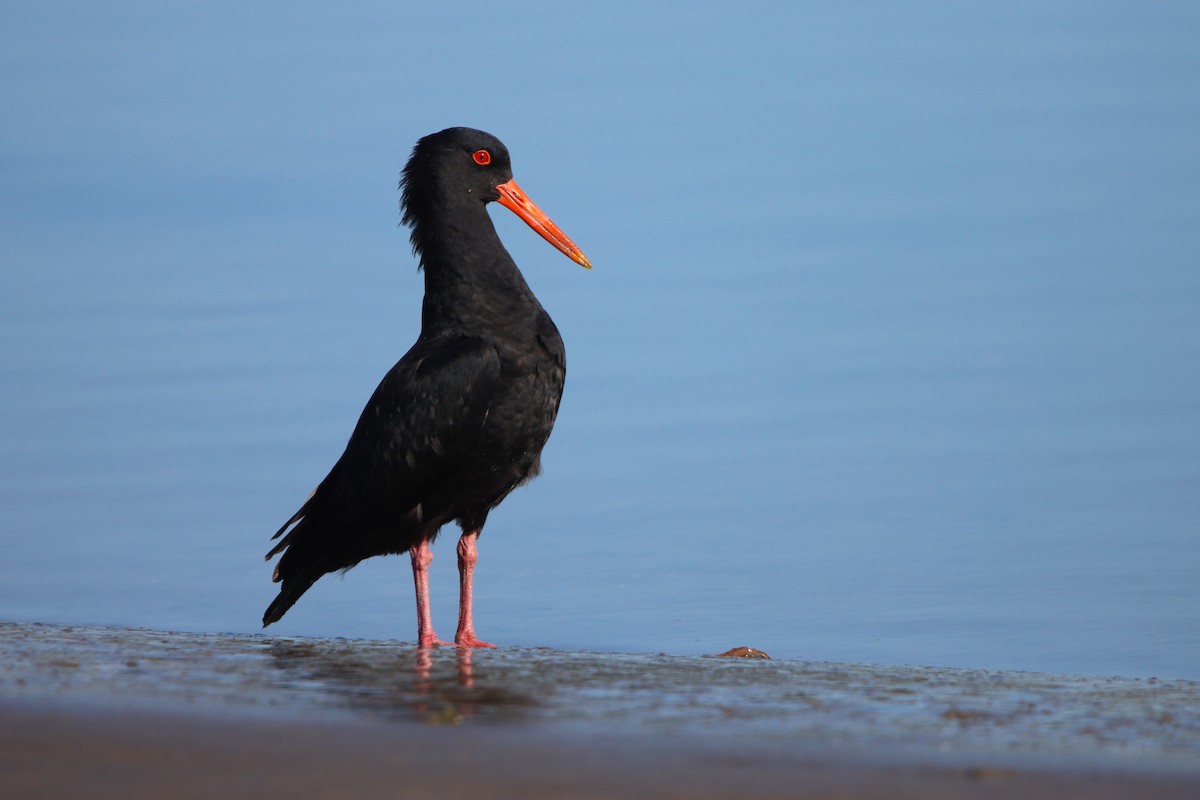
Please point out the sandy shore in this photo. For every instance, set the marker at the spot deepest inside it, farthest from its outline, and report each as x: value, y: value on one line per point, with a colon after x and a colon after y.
x: 130, y: 714
x: 109, y: 754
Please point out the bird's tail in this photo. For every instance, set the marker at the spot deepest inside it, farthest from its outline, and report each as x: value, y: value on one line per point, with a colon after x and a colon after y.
x: 295, y: 573
x: 287, y: 597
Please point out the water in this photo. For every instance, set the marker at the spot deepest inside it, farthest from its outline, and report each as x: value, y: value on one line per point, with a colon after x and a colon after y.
x: 764, y: 710
x: 889, y: 354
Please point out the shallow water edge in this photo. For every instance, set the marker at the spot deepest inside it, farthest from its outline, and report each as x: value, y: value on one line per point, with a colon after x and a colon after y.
x: 761, y: 708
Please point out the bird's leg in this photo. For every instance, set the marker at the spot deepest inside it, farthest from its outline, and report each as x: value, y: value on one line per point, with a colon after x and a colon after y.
x: 468, y: 554
x: 421, y: 558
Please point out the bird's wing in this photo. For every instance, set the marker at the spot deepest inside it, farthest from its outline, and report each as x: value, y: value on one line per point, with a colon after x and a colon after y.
x: 426, y: 412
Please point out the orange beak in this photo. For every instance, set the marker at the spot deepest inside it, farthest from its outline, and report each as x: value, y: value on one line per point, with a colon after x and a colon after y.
x: 515, y: 200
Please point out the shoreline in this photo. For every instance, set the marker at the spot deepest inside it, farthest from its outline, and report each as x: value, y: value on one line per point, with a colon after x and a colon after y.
x: 107, y: 712
x: 141, y: 754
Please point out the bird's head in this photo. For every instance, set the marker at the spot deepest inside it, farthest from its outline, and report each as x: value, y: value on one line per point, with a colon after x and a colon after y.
x: 464, y: 165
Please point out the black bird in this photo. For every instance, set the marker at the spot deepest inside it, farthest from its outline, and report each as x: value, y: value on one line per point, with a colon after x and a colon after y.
x: 461, y: 420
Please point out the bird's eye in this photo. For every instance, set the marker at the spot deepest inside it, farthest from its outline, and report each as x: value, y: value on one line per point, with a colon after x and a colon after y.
x: 482, y: 157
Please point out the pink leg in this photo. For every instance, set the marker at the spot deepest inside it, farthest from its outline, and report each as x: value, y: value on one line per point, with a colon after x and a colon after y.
x: 467, y: 556
x: 421, y: 558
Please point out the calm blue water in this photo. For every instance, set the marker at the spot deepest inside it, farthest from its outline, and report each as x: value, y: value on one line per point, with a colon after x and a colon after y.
x: 890, y: 353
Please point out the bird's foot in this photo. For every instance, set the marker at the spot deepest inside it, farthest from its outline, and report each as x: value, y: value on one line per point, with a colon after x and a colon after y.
x: 430, y: 640
x: 468, y: 639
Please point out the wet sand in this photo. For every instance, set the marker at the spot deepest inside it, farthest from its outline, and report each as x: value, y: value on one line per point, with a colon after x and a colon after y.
x: 89, y: 712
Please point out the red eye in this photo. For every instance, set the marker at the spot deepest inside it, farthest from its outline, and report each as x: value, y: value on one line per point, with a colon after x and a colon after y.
x: 482, y: 157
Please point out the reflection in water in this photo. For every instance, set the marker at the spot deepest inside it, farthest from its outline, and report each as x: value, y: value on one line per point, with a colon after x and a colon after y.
x: 437, y: 686
x: 758, y: 703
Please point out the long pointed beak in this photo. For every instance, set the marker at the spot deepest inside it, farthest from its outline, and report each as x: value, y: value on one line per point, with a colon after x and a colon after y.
x: 515, y: 200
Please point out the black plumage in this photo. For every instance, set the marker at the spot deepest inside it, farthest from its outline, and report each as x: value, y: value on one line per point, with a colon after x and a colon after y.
x: 461, y: 419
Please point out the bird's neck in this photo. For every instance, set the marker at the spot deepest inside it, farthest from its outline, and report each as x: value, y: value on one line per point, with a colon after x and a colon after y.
x: 471, y: 282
